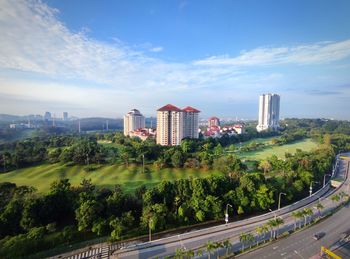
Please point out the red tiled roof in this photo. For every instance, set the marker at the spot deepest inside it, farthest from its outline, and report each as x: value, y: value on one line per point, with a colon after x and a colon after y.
x: 214, y: 118
x: 169, y: 107
x: 190, y: 109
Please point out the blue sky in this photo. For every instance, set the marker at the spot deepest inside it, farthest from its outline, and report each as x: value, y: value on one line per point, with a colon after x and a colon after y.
x: 103, y: 58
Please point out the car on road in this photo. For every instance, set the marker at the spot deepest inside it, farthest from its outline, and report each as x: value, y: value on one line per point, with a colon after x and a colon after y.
x: 319, y: 235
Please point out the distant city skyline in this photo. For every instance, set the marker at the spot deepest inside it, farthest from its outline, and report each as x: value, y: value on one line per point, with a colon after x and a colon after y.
x: 102, y: 58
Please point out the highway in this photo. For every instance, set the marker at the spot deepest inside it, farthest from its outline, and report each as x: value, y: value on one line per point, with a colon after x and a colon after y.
x: 167, y: 246
x: 302, y: 244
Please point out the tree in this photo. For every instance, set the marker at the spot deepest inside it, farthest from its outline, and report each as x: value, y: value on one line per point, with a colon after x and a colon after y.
x: 210, y: 247
x: 307, y: 212
x: 227, y: 244
x: 279, y: 222
x: 250, y: 239
x: 319, y: 207
x: 87, y: 213
x: 118, y: 229
x: 243, y: 240
x: 259, y: 230
x: 177, y: 159
x: 265, y: 166
x: 297, y: 215
x: 272, y: 224
x: 335, y: 198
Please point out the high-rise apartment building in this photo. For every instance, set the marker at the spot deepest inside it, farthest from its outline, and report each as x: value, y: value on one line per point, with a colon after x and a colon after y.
x: 174, y: 124
x: 269, y: 112
x: 190, y: 117
x: 65, y: 116
x: 169, y: 125
x: 47, y: 116
x: 133, y: 120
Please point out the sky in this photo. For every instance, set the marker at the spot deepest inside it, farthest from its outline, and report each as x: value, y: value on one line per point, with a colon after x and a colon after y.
x: 104, y: 58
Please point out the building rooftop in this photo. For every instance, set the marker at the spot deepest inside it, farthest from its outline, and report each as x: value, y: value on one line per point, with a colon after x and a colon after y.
x: 169, y: 107
x: 214, y: 118
x: 190, y: 109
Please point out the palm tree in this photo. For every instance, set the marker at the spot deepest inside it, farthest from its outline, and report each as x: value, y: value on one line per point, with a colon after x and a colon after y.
x: 189, y: 254
x: 259, y: 230
x: 250, y: 239
x: 265, y: 228
x: 218, y: 245
x: 243, y: 239
x: 296, y: 215
x: 210, y: 248
x: 200, y: 253
x: 227, y: 244
x: 307, y: 212
x: 272, y: 224
x: 319, y: 207
x: 179, y: 253
x: 279, y: 221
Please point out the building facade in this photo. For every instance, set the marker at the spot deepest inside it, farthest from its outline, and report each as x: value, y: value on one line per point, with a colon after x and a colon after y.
x: 133, y: 120
x: 174, y: 124
x: 269, y: 112
x: 213, y: 121
x: 65, y: 116
x: 191, y: 124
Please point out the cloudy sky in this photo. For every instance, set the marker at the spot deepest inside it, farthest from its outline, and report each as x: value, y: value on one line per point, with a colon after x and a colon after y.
x: 103, y: 58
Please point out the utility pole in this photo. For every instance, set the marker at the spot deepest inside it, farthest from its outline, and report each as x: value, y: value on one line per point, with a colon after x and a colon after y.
x: 226, y: 214
x: 143, y: 163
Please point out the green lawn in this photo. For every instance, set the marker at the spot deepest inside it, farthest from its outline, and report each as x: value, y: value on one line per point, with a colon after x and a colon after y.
x: 279, y: 151
x: 42, y: 176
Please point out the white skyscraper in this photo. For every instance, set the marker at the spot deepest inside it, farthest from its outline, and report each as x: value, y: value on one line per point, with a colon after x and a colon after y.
x: 269, y: 112
x: 190, y: 122
x: 133, y: 120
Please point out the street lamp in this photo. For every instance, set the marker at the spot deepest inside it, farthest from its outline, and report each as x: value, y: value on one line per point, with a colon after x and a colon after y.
x: 324, y: 179
x: 143, y: 163
x: 279, y: 199
x: 311, y: 187
x: 150, y: 223
x: 226, y: 214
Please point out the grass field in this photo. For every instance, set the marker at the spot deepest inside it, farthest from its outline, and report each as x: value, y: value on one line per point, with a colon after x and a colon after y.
x: 279, y: 151
x: 42, y: 176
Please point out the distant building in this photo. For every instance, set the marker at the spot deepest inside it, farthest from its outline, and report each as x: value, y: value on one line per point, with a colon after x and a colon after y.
x: 236, y: 129
x: 65, y: 116
x: 143, y: 133
x: 269, y: 112
x: 191, y: 126
x: 213, y: 121
x: 133, y: 120
x: 47, y: 116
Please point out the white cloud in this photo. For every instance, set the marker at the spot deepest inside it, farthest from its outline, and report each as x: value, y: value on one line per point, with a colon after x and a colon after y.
x: 319, y: 53
x: 35, y: 42
x: 157, y: 49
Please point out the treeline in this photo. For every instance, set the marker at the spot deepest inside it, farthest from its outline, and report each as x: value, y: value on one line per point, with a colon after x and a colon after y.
x: 30, y: 222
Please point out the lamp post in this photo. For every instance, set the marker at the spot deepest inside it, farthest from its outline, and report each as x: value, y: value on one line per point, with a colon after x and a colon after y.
x: 324, y: 179
x: 150, y: 229
x: 226, y: 214
x: 311, y: 187
x: 279, y: 199
x: 143, y: 163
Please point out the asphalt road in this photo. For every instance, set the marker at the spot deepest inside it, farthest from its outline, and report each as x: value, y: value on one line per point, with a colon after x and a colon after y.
x: 302, y: 244
x: 168, y: 246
